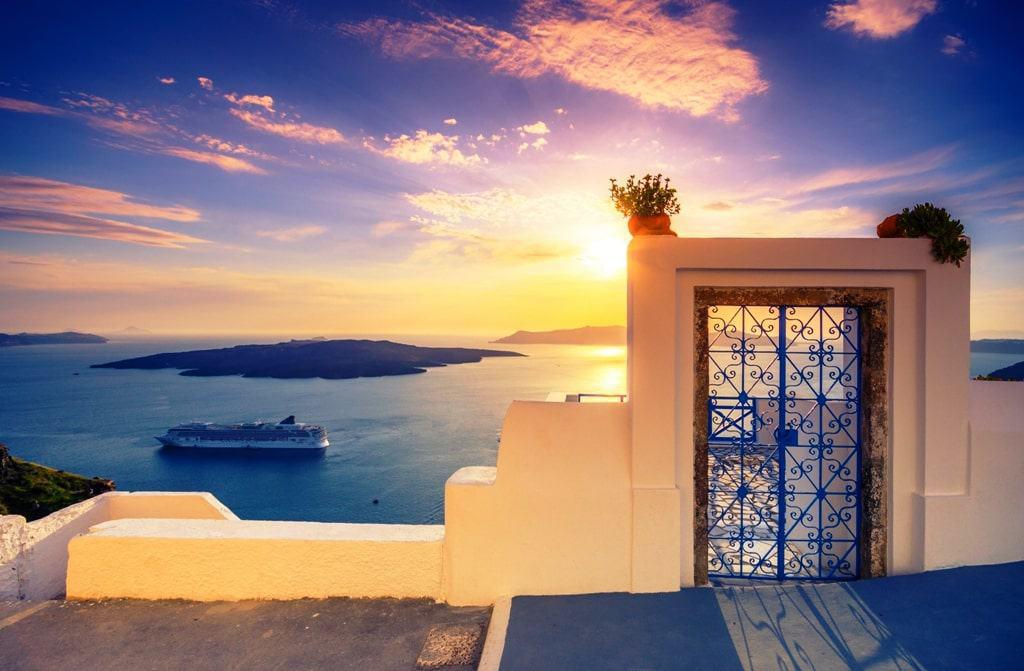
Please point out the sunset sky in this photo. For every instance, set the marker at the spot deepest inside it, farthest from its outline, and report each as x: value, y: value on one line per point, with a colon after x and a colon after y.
x: 442, y: 167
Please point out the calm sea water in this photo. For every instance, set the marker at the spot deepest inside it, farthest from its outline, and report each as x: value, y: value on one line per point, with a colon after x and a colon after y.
x: 395, y: 439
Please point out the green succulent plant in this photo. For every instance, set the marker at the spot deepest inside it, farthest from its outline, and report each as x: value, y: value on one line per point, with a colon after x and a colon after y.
x: 645, y: 197
x: 949, y: 243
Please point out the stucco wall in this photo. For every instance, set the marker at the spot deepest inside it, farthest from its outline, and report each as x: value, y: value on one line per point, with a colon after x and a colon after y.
x: 209, y: 560
x: 33, y: 555
x: 553, y: 517
x: 929, y: 364
x: 985, y: 525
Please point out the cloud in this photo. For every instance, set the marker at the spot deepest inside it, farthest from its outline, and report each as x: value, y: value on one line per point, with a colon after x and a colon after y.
x: 165, y: 80
x: 146, y: 132
x: 560, y: 111
x: 718, y: 206
x: 266, y: 102
x: 37, y: 193
x: 225, y: 163
x: 49, y: 207
x: 914, y: 165
x: 538, y: 128
x: 29, y: 107
x: 292, y: 234
x: 952, y: 45
x: 424, y: 147
x: 447, y: 241
x: 228, y: 147
x: 57, y: 223
x: 684, y: 60
x: 303, y: 132
x: 382, y: 229
x: 879, y: 19
x: 205, y: 82
x: 451, y: 122
x: 116, y: 117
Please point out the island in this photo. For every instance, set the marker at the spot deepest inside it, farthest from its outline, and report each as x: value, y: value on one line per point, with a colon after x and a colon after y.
x: 35, y: 491
x: 998, y: 346
x: 63, y: 338
x: 1013, y: 373
x: 300, y: 359
x: 586, y: 335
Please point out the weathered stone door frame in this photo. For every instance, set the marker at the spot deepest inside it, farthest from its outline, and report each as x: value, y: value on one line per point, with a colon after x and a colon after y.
x: 874, y: 307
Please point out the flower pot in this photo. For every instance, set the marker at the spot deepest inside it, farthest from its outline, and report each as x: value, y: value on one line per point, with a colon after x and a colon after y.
x: 658, y: 224
x: 890, y: 227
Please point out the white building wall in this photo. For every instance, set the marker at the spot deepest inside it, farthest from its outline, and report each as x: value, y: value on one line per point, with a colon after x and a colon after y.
x: 929, y: 364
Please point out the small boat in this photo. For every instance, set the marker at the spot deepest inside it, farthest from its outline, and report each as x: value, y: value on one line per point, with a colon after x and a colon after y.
x: 284, y: 435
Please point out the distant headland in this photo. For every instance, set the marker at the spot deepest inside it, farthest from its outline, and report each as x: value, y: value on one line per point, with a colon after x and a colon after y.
x: 63, y: 338
x: 299, y: 359
x: 586, y: 335
x: 998, y: 346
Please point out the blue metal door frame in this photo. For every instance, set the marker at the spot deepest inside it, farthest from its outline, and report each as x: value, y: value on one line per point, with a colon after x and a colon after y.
x: 784, y: 444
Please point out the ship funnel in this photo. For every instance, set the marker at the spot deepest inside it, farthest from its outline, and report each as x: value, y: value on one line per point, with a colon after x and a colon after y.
x: 290, y: 419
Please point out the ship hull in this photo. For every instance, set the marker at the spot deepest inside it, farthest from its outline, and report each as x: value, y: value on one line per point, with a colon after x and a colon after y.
x: 280, y: 446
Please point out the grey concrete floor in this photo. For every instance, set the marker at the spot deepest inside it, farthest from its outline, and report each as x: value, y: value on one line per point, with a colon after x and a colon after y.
x: 363, y: 634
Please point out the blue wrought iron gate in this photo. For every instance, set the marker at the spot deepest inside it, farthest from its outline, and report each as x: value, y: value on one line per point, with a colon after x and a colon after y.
x: 783, y: 442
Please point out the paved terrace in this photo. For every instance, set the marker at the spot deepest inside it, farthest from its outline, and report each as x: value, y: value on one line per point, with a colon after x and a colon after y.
x: 370, y: 634
x: 967, y: 618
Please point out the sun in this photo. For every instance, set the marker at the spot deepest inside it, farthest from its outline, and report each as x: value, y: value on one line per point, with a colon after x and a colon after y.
x: 605, y: 257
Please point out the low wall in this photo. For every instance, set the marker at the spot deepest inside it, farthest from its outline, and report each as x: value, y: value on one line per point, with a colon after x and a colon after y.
x: 553, y: 517
x: 985, y: 526
x: 34, y: 555
x: 210, y: 560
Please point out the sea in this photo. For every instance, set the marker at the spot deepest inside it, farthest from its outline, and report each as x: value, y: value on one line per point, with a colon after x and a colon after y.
x: 394, y: 440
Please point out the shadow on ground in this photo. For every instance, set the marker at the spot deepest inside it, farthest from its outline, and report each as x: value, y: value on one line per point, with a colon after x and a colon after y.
x: 968, y: 618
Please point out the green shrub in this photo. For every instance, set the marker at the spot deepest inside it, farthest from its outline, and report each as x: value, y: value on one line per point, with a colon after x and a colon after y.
x: 949, y: 244
x: 645, y: 197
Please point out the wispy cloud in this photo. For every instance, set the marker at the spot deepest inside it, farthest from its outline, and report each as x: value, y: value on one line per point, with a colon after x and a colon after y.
x: 382, y: 229
x: 879, y: 19
x: 228, y: 147
x: 144, y: 131
x: 38, y: 193
x: 952, y: 45
x: 205, y: 83
x: 847, y: 176
x: 685, y: 60
x: 56, y: 223
x: 451, y: 121
x: 266, y: 102
x: 165, y: 80
x: 29, y: 107
x: 292, y: 234
x: 424, y: 147
x: 50, y: 207
x: 506, y: 226
x: 225, y: 163
x: 301, y: 131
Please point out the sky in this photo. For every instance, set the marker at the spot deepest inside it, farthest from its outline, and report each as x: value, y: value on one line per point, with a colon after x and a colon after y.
x: 441, y: 167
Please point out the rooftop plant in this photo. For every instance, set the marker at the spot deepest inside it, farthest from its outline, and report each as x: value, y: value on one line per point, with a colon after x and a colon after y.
x: 645, y: 197
x: 949, y: 244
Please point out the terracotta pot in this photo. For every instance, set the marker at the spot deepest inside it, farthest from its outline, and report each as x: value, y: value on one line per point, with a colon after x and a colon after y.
x: 889, y: 228
x: 659, y: 224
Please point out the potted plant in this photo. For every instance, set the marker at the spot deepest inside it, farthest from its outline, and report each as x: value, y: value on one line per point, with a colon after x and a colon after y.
x: 647, y: 202
x: 949, y: 243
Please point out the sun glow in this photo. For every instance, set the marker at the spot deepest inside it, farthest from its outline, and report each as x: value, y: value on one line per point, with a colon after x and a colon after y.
x: 605, y: 257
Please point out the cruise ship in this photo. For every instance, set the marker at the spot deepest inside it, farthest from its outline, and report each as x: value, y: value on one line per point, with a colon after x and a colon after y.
x: 283, y: 435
